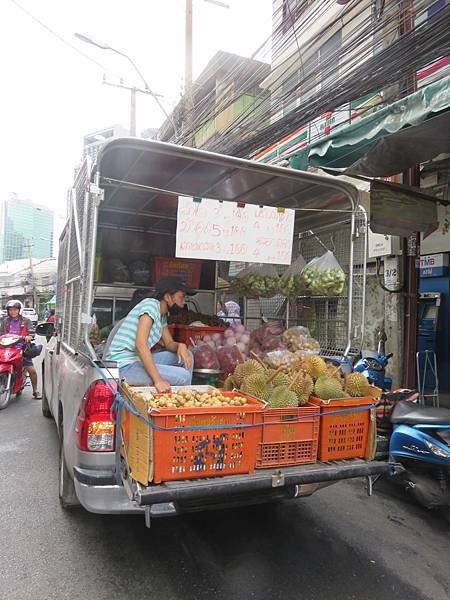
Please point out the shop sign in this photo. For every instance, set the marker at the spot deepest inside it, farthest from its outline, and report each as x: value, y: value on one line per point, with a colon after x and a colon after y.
x: 214, y: 230
x: 433, y: 265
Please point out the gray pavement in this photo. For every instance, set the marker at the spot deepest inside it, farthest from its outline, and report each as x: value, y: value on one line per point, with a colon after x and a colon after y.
x: 336, y: 545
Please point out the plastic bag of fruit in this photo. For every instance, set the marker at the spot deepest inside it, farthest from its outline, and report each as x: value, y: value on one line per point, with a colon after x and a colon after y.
x: 299, y: 339
x: 291, y: 282
x: 323, y: 276
x: 206, y: 357
x: 229, y: 357
x: 256, y: 281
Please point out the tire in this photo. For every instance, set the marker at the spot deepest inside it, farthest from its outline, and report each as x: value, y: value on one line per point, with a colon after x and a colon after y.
x: 66, y: 489
x: 5, y: 395
x: 44, y: 404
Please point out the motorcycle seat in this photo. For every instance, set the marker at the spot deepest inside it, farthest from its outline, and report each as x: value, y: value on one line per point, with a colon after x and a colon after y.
x: 410, y: 413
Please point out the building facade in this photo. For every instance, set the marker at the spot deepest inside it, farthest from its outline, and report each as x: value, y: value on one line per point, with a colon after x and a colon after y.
x: 92, y: 142
x: 25, y: 226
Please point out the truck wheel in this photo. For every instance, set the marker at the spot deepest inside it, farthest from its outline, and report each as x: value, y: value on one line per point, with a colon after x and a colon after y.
x: 44, y: 404
x: 67, y: 495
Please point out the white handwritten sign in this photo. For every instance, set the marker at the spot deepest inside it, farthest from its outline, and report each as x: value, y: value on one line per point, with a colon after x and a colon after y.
x: 215, y: 230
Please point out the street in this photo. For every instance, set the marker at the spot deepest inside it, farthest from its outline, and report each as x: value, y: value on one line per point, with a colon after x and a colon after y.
x: 337, y: 544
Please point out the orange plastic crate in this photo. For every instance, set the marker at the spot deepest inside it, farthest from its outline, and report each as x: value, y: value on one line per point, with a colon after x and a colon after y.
x: 188, y: 270
x: 293, y: 441
x: 209, y: 452
x: 188, y: 334
x: 343, y: 435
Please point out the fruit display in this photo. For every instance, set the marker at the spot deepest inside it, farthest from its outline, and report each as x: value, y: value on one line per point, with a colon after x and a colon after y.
x: 256, y: 281
x: 291, y: 282
x: 282, y: 397
x: 299, y: 339
x: 327, y: 388
x: 267, y: 338
x: 247, y: 369
x: 191, y: 398
x: 236, y: 334
x: 356, y: 385
x: 257, y: 386
x: 323, y: 276
x: 315, y: 366
x: 206, y: 358
x: 302, y: 385
x: 187, y: 317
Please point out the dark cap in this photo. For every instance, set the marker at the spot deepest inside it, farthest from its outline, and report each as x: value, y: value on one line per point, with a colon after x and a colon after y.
x: 170, y: 285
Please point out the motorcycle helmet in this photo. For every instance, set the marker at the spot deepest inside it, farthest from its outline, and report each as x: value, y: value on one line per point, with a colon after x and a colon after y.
x: 14, y: 304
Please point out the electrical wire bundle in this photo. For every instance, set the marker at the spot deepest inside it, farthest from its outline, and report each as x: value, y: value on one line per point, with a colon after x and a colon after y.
x: 372, y: 47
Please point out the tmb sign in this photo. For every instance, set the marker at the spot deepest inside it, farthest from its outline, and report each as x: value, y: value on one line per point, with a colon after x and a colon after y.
x: 433, y: 265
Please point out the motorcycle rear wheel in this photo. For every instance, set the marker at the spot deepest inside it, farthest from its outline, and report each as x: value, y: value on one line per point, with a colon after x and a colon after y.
x: 5, y: 390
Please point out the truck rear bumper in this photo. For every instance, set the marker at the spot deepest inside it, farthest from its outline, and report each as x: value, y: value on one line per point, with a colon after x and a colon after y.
x: 98, y: 492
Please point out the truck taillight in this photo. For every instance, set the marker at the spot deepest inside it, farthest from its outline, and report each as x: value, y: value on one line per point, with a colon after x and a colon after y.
x: 95, y: 428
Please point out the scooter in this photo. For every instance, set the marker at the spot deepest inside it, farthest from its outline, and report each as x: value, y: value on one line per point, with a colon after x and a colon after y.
x: 12, y: 380
x: 420, y: 442
x: 373, y: 365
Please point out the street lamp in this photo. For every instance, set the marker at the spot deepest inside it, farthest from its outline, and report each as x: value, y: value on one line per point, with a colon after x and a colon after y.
x: 133, y: 90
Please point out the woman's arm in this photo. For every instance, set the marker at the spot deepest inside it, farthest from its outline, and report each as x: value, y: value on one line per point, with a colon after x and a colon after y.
x: 143, y: 331
x: 180, y: 349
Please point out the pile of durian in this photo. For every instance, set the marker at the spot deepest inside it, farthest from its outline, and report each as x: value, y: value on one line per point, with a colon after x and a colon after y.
x: 310, y: 376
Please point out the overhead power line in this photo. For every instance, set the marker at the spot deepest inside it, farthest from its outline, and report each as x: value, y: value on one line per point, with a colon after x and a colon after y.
x: 62, y: 39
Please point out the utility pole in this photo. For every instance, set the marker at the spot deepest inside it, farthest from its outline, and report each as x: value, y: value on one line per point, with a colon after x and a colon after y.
x: 29, y: 246
x: 133, y: 91
x: 188, y: 119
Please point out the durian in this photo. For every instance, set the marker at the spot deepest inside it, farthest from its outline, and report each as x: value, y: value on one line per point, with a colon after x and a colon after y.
x: 357, y: 385
x: 229, y: 383
x: 315, y: 366
x: 244, y: 370
x: 282, y: 397
x: 280, y: 379
x: 302, y: 386
x: 334, y: 372
x: 256, y: 385
x: 327, y: 388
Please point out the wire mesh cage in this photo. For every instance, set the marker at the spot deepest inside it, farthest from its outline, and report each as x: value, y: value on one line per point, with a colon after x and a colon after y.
x: 70, y: 295
x: 336, y: 322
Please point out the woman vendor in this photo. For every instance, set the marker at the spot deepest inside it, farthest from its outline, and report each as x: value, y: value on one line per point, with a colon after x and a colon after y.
x: 135, y: 346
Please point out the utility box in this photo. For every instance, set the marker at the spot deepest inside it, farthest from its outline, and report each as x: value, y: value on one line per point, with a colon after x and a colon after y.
x: 380, y: 244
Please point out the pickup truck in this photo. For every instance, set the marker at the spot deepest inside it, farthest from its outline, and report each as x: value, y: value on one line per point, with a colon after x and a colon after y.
x: 127, y: 202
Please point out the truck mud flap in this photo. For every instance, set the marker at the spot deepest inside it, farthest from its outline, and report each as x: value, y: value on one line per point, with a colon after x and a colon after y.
x: 259, y: 481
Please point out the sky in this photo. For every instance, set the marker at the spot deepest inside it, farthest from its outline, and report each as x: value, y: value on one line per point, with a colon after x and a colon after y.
x: 52, y: 95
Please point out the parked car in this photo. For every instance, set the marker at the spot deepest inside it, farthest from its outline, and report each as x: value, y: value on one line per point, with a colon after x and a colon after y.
x: 30, y: 313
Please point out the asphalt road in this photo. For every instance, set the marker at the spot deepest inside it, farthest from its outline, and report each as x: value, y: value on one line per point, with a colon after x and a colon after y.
x: 335, y: 545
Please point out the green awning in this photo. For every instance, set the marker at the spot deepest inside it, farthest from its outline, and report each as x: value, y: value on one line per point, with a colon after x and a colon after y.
x: 409, y: 131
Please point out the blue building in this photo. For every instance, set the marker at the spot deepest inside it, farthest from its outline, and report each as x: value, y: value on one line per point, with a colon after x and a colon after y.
x: 24, y: 224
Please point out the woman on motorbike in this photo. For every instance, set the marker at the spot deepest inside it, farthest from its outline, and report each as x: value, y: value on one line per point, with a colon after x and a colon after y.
x: 15, y: 324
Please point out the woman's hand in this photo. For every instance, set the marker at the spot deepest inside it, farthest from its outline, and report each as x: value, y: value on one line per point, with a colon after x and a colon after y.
x: 162, y: 386
x: 28, y: 339
x: 184, y: 356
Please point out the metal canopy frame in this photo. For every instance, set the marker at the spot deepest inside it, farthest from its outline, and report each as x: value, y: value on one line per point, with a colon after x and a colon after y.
x: 143, y: 179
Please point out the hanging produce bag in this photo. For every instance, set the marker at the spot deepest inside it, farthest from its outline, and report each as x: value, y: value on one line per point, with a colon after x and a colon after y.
x: 206, y: 357
x: 323, y: 276
x: 291, y: 282
x: 256, y: 281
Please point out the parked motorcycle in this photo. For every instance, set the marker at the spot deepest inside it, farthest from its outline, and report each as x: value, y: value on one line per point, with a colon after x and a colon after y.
x: 373, y: 365
x: 420, y: 442
x: 12, y: 380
